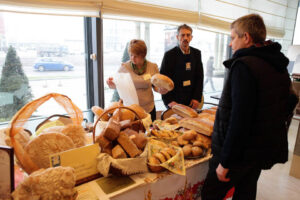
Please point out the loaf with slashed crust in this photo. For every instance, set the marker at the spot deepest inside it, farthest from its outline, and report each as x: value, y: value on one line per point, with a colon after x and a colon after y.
x: 200, y: 125
x: 184, y: 111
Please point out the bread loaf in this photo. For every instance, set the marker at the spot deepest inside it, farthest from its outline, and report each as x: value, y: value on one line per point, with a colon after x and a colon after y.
x: 128, y: 145
x: 209, y: 116
x: 123, y: 114
x: 112, y: 130
x: 139, y: 140
x: 76, y: 133
x: 198, y: 124
x: 118, y: 152
x: 184, y: 111
x: 139, y: 110
x: 98, y: 112
x: 51, y: 183
x: 41, y: 147
x: 162, y: 81
x: 210, y: 111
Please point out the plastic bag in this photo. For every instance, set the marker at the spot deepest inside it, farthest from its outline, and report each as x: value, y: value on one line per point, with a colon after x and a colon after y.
x: 126, y: 89
x: 22, y: 116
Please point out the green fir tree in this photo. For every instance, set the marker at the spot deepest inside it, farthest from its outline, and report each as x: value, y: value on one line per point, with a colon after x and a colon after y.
x: 14, y: 86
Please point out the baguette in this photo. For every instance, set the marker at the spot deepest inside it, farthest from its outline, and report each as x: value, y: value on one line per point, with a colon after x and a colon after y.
x: 200, y: 125
x: 184, y: 111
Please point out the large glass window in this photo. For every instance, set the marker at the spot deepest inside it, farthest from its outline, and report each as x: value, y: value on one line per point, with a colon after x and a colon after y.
x: 160, y: 38
x: 41, y: 54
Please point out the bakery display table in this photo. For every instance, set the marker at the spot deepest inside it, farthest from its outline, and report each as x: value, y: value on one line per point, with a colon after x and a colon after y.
x: 149, y: 186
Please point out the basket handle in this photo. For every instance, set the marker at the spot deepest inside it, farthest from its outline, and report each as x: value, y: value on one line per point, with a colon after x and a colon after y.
x: 20, y: 118
x: 105, y: 112
x: 48, y: 118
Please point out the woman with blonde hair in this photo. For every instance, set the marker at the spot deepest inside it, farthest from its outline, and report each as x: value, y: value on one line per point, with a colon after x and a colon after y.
x: 141, y: 71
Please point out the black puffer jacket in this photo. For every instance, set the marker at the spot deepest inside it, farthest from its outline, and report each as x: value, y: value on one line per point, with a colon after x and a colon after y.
x: 250, y: 124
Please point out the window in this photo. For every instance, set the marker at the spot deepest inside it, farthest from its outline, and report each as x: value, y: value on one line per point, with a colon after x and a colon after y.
x: 160, y: 38
x: 51, y: 54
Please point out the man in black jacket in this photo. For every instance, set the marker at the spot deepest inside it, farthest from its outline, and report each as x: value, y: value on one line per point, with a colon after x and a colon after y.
x: 250, y: 130
x: 184, y: 66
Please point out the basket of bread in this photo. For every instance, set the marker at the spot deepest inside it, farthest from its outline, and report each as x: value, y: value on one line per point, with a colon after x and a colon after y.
x: 196, y: 130
x: 163, y: 156
x: 122, y: 140
x: 33, y: 151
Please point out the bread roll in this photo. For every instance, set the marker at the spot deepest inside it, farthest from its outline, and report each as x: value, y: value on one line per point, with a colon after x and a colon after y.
x: 154, y: 164
x: 205, y: 141
x: 181, y: 141
x: 184, y: 111
x: 197, y: 151
x: 160, y: 157
x: 162, y: 81
x: 189, y: 135
x: 187, y: 150
x: 166, y: 154
x: 139, y: 110
x: 171, y: 151
x: 123, y: 114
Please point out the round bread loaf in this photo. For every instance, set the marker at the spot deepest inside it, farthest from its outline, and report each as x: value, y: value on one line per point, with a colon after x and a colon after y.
x: 47, y: 144
x: 162, y: 81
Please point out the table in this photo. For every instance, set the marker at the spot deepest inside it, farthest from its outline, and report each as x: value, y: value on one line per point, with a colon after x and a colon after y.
x: 153, y: 186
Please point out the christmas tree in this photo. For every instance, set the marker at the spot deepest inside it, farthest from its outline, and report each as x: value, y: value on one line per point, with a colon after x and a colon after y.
x: 14, y: 86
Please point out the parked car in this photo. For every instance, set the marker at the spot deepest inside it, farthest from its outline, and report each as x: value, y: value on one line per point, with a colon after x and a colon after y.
x: 50, y: 64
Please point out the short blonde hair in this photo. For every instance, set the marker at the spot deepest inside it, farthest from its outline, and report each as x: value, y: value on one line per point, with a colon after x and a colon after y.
x: 137, y: 47
x: 252, y: 24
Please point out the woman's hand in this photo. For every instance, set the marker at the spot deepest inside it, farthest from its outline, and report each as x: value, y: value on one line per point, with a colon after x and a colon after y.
x: 111, y: 83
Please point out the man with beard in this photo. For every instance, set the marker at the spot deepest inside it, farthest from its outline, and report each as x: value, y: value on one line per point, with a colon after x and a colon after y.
x: 250, y: 130
x: 184, y: 66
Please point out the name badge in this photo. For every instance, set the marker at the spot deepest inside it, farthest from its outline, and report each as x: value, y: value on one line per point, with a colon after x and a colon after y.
x: 186, y: 83
x: 147, y: 77
x: 188, y: 66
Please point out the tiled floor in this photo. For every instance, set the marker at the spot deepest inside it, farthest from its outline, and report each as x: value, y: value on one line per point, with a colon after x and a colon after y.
x: 277, y: 184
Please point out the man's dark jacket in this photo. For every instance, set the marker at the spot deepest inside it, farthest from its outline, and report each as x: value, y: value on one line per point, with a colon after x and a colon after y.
x: 250, y: 125
x: 173, y: 66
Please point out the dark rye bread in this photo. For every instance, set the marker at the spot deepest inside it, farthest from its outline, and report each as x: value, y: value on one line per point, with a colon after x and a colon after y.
x: 130, y: 148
